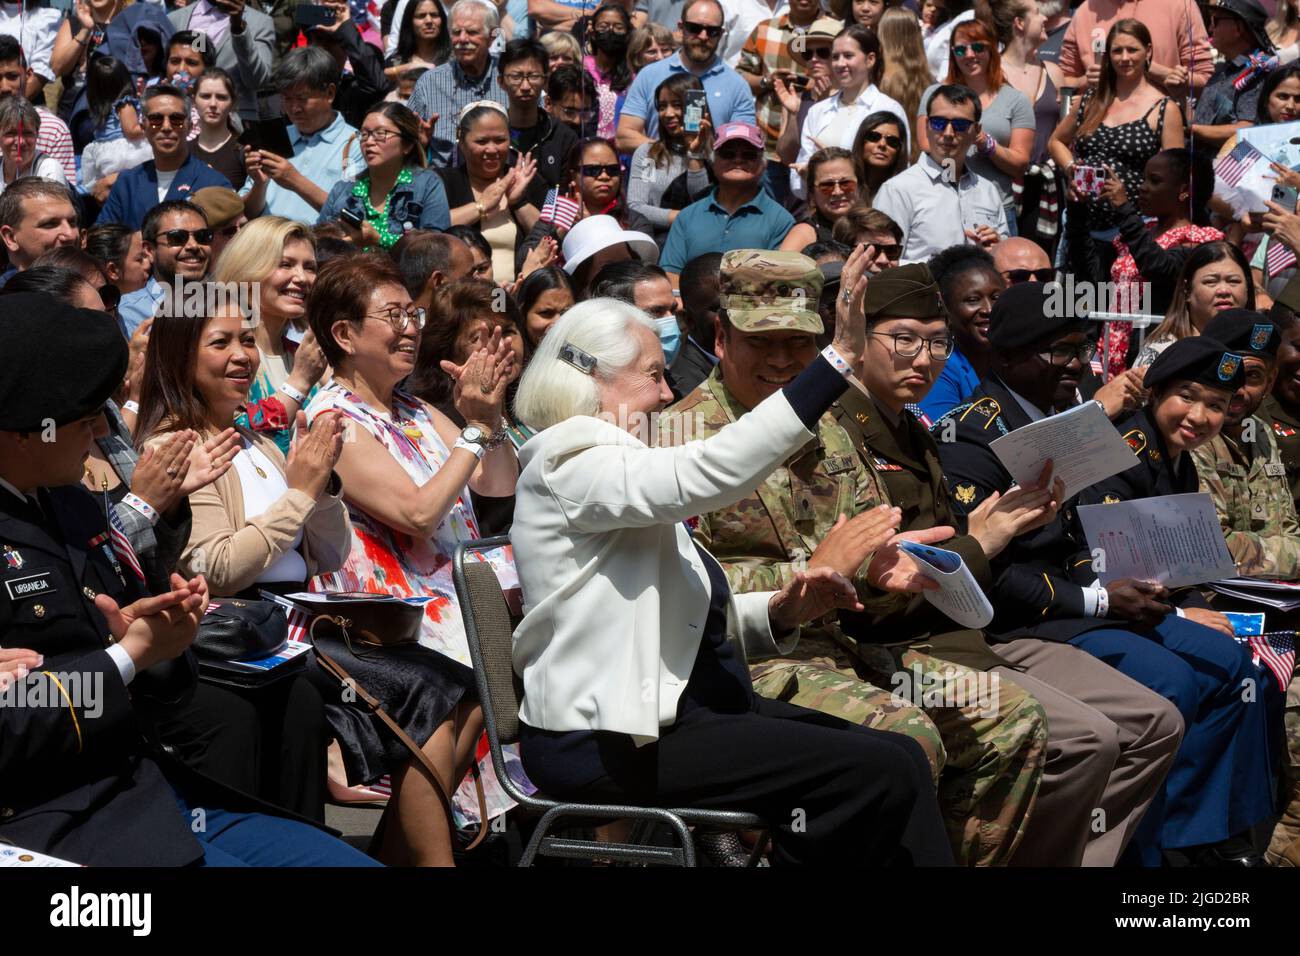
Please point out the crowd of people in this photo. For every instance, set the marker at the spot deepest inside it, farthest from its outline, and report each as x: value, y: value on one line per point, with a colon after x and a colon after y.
x: 716, y: 308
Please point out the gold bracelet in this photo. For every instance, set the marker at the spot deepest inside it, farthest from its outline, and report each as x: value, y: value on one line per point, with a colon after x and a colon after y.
x: 481, y: 211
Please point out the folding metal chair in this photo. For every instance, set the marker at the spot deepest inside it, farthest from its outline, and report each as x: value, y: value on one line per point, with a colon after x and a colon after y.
x: 489, y: 626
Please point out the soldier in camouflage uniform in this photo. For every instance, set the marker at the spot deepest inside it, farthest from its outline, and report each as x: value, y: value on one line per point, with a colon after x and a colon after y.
x: 1243, y: 472
x: 991, y: 752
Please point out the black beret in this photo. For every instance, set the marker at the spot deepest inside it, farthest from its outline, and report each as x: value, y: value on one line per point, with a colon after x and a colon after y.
x: 1030, y: 311
x: 904, y: 292
x: 1245, y: 332
x: 1197, y: 358
x: 59, y: 363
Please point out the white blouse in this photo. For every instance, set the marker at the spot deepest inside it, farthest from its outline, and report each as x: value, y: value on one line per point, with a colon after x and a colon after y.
x: 263, y: 484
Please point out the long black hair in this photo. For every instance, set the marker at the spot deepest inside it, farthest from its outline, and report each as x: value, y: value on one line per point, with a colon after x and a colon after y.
x: 406, y: 34
x: 621, y: 75
x: 1275, y: 79
x: 107, y: 80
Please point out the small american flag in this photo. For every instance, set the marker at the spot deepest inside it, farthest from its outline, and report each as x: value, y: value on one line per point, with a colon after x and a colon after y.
x: 559, y: 210
x: 1276, y: 651
x: 1280, y: 256
x: 122, y: 545
x: 1233, y: 167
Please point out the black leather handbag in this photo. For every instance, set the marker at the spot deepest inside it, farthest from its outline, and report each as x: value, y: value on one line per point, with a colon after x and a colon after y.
x: 239, y: 629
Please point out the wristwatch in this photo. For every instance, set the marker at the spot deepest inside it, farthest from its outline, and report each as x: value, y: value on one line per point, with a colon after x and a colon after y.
x: 473, y: 439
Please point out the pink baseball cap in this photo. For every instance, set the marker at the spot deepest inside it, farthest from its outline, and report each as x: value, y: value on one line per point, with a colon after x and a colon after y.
x: 729, y: 131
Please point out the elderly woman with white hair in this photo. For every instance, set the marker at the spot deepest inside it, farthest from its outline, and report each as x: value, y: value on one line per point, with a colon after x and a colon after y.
x: 633, y: 688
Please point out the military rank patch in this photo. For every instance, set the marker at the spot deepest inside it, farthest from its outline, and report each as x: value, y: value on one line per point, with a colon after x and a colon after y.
x: 1110, y: 500
x: 1228, y: 366
x: 1154, y: 454
x: 964, y: 494
x: 883, y: 465
x: 1137, y: 440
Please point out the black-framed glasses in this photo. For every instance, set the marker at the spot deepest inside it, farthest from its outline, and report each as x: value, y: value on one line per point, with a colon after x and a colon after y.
x: 380, y: 136
x: 960, y: 125
x: 174, y: 120
x: 875, y: 136
x: 1063, y: 353
x: 959, y: 49
x: 585, y: 114
x: 696, y: 29
x: 515, y: 76
x: 594, y: 170
x: 400, y: 318
x: 909, y: 345
x: 110, y: 295
x: 179, y: 237
x: 616, y: 28
x: 1017, y: 276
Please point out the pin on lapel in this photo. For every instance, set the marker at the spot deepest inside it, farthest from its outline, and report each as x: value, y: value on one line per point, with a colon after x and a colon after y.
x: 12, y: 557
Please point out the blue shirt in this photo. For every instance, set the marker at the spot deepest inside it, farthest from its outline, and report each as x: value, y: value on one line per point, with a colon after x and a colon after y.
x: 325, y: 157
x: 704, y: 226
x: 730, y: 98
x: 957, y: 380
x: 446, y: 90
x: 139, y: 305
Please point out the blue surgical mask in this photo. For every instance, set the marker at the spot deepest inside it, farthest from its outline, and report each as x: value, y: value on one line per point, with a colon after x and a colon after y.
x: 670, y: 337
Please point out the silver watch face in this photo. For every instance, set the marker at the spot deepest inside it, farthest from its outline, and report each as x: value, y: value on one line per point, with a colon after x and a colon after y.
x: 472, y: 434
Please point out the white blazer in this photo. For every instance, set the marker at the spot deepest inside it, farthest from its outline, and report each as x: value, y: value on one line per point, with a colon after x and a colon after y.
x: 615, y: 593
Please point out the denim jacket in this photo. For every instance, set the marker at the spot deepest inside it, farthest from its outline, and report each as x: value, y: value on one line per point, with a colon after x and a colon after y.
x: 419, y: 204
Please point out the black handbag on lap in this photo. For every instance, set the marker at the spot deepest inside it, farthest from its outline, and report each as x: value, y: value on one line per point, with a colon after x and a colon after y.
x: 239, y: 629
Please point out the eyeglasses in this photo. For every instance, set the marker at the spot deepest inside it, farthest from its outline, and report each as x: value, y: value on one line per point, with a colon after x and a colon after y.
x: 892, y: 251
x: 909, y: 345
x: 179, y: 237
x: 817, y: 52
x: 515, y: 76
x: 940, y: 123
x: 1064, y: 354
x: 829, y: 187
x: 619, y: 28
x: 570, y: 113
x: 1017, y: 276
x: 399, y: 318
x: 737, y: 155
x: 594, y: 170
x: 380, y: 136
x: 110, y: 295
x: 173, y: 120
x: 893, y: 142
x: 711, y: 32
x: 959, y: 49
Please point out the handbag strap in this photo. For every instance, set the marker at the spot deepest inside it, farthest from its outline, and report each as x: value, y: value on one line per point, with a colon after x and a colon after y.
x: 340, y: 673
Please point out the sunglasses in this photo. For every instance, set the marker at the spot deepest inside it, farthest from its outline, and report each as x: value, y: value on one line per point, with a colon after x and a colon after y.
x: 179, y: 237
x: 594, y: 170
x: 738, y: 155
x: 893, y: 142
x: 1017, y: 276
x: 940, y: 123
x: 829, y: 187
x: 893, y: 252
x: 174, y: 120
x: 697, y: 28
x: 959, y: 49
x: 817, y: 52
x: 110, y: 295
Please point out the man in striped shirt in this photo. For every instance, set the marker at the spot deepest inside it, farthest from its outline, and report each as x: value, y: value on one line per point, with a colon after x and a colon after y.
x: 53, y: 139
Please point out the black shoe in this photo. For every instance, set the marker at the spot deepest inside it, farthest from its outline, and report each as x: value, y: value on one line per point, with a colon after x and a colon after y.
x: 1230, y: 854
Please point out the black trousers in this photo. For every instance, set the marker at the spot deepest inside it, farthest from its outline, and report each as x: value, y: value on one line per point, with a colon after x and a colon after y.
x: 267, y: 742
x: 833, y: 792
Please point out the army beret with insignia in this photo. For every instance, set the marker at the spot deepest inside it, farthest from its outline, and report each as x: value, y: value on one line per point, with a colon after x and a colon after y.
x: 1245, y: 332
x: 1030, y: 312
x: 1198, y: 358
x: 61, y: 364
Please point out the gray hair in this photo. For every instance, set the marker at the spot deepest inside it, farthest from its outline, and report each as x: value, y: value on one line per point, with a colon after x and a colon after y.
x: 551, y: 390
x: 16, y: 112
x: 491, y: 18
x: 1050, y: 8
x: 309, y: 65
x: 165, y: 89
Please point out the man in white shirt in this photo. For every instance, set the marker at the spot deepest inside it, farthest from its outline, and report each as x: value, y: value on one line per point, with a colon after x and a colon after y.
x: 35, y: 28
x: 739, y: 17
x: 939, y: 202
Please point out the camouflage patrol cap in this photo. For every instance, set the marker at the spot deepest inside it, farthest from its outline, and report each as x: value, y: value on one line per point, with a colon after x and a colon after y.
x: 905, y: 292
x: 766, y: 291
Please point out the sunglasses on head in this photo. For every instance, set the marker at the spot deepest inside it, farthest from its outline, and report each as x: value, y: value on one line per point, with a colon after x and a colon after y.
x: 1017, y: 276
x: 959, y: 49
x: 174, y: 120
x: 940, y: 123
x: 695, y: 29
x: 593, y: 170
x: 893, y: 142
x: 179, y: 237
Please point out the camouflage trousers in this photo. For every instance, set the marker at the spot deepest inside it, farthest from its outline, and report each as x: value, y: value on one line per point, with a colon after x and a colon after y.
x: 986, y: 751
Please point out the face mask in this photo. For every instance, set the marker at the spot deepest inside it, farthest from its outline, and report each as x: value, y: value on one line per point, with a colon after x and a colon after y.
x: 612, y: 43
x: 670, y: 337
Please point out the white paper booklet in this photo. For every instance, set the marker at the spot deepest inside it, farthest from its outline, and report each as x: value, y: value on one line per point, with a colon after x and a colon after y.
x: 1082, y: 444
x: 1174, y: 540
x: 959, y: 595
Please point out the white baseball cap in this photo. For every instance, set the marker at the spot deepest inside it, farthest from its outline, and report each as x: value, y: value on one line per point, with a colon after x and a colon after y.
x: 595, y: 233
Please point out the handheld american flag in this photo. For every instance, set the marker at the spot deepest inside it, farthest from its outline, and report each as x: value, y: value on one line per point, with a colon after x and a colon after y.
x: 122, y: 544
x: 559, y: 210
x: 1233, y: 167
x: 1276, y: 651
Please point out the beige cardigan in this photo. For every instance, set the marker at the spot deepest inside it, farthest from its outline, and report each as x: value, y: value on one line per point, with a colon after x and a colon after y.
x: 232, y: 550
